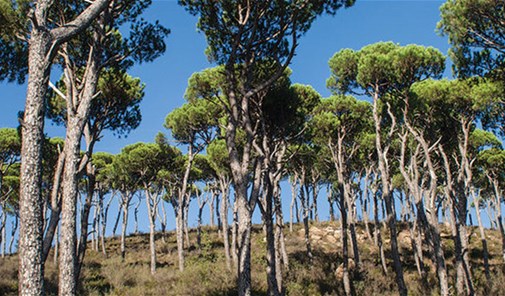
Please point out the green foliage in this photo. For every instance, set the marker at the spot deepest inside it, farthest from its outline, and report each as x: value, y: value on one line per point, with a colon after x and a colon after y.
x: 476, y: 31
x: 383, y: 67
x: 195, y: 123
x: 10, y: 146
x: 268, y: 28
x: 116, y: 108
x: 341, y: 116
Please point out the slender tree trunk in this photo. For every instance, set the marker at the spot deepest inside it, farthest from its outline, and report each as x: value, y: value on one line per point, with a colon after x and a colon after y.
x: 13, y: 232
x: 81, y: 249
x: 118, y: 216
x: 485, y: 252
x: 346, y: 280
x: 305, y: 207
x: 377, y: 234
x: 136, y: 217
x: 4, y: 235
x: 218, y: 212
x: 224, y: 221
x: 234, y: 233
x: 267, y: 213
x: 458, y: 256
x: 56, y: 245
x: 211, y: 210
x: 315, y: 193
x: 329, y: 194
x: 199, y: 227
x: 293, y: 201
x: 68, y: 264
x: 126, y: 197
x: 105, y: 214
x: 152, y: 204
x: 180, y: 236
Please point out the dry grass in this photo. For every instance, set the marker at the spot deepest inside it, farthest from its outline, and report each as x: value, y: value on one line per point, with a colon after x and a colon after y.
x: 206, y: 272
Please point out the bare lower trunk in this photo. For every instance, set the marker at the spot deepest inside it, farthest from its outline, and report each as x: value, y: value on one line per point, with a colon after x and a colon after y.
x: 67, y: 261
x: 305, y: 207
x: 13, y: 232
x: 211, y: 210
x: 485, y: 252
x: 31, y: 264
x: 199, y: 229
x: 293, y: 200
x: 81, y: 251
x: 126, y: 209
x: 136, y: 218
x: 244, y: 247
x: 391, y: 221
x: 224, y: 224
x: 345, y: 252
x: 234, y: 234
x: 56, y: 245
x: 377, y: 234
x: 152, y: 203
x: 180, y: 237
x: 116, y: 223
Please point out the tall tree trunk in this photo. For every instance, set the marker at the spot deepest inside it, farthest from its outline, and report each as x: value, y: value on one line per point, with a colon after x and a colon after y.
x: 68, y: 264
x: 136, y: 217
x: 81, y: 248
x: 387, y: 194
x: 199, y: 227
x: 346, y: 280
x: 118, y: 216
x: 224, y: 220
x: 43, y: 45
x: 234, y: 233
x: 268, y: 224
x: 485, y: 252
x: 244, y: 246
x: 211, y: 210
x: 13, y: 232
x: 152, y: 206
x: 126, y: 196
x: 305, y: 208
x: 377, y: 233
x: 179, y: 225
x: 105, y: 215
x: 293, y: 201
x: 31, y: 263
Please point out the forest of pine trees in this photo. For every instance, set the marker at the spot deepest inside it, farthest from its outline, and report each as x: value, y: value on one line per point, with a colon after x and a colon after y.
x: 395, y: 145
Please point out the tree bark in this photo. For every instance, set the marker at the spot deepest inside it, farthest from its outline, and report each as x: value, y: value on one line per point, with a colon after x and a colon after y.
x: 485, y: 252
x: 43, y: 45
x: 224, y: 185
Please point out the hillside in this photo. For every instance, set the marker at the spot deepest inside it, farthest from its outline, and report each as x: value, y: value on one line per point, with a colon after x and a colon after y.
x: 206, y: 272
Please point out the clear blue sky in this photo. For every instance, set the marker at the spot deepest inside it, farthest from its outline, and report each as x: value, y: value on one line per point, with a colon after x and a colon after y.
x: 403, y: 22
x: 367, y: 22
